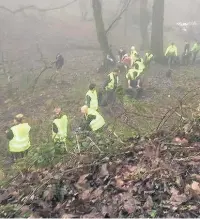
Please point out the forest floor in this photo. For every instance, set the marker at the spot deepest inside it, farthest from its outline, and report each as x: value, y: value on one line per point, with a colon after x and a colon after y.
x: 149, y: 178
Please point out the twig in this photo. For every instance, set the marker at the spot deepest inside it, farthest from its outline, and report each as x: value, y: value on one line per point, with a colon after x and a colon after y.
x: 33, y: 7
x: 127, y: 3
x: 94, y: 144
x: 78, y: 145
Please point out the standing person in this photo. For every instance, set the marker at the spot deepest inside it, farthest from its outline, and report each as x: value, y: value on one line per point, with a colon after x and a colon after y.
x: 148, y: 59
x: 92, y: 97
x: 132, y: 75
x: 59, y: 65
x: 18, y: 136
x: 195, y: 50
x: 59, y: 127
x: 59, y: 62
x: 186, y: 54
x: 133, y: 80
x: 93, y: 120
x: 171, y: 53
x: 121, y: 53
x: 110, y: 86
x: 133, y: 55
x: 126, y: 61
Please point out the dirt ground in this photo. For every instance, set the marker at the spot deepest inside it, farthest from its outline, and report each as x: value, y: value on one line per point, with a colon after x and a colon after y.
x: 27, y: 43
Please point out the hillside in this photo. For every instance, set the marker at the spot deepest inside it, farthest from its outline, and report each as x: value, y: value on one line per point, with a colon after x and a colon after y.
x: 128, y: 172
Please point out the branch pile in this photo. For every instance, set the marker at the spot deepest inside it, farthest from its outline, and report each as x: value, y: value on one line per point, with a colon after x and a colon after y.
x: 154, y: 178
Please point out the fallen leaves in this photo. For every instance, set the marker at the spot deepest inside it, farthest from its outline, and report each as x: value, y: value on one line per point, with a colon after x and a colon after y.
x: 176, y: 198
x: 152, y: 184
x: 195, y: 186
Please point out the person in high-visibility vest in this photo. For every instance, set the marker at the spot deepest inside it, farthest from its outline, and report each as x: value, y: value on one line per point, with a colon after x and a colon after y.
x: 132, y: 76
x: 147, y: 59
x: 18, y: 136
x: 133, y: 55
x: 93, y: 120
x: 92, y: 97
x: 171, y: 53
x: 59, y: 127
x: 195, y: 50
x: 110, y: 87
x: 113, y: 80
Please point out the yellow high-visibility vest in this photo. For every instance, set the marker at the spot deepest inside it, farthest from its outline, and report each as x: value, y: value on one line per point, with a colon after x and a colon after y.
x: 131, y: 74
x: 97, y: 123
x: 196, y: 47
x: 133, y: 56
x: 148, y: 56
x: 111, y: 85
x: 141, y: 66
x: 94, y: 99
x: 20, y: 141
x: 61, y: 124
x: 171, y: 50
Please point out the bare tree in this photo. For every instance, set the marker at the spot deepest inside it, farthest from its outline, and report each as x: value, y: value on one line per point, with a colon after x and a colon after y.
x: 157, y: 29
x: 100, y: 29
x: 144, y: 23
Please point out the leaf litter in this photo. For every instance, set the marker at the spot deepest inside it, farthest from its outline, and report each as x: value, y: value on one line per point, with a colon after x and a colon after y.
x: 150, y: 179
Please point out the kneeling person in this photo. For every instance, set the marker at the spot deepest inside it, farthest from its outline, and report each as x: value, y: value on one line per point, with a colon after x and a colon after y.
x: 93, y: 120
x: 19, y: 137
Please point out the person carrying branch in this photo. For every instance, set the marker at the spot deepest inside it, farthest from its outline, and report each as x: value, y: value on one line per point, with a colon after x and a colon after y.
x: 18, y: 136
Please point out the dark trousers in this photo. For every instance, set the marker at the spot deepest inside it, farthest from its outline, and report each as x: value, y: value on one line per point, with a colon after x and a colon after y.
x: 18, y: 155
x: 171, y: 60
x: 185, y: 59
x: 194, y: 56
x: 108, y: 98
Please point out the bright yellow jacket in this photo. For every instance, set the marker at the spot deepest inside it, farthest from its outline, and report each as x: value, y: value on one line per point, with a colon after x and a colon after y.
x: 62, y: 124
x: 133, y: 56
x: 111, y: 85
x: 141, y: 66
x: 171, y: 50
x: 132, y: 74
x: 148, y: 57
x: 20, y: 141
x: 94, y: 99
x: 97, y: 123
x: 196, y: 47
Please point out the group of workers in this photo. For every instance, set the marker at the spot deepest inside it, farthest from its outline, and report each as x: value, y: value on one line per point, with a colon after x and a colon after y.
x: 18, y: 134
x: 134, y: 67
x: 188, y: 56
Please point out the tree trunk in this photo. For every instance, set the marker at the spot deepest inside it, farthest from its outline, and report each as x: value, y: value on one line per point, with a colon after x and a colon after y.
x: 157, y: 29
x: 144, y: 23
x: 101, y: 33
